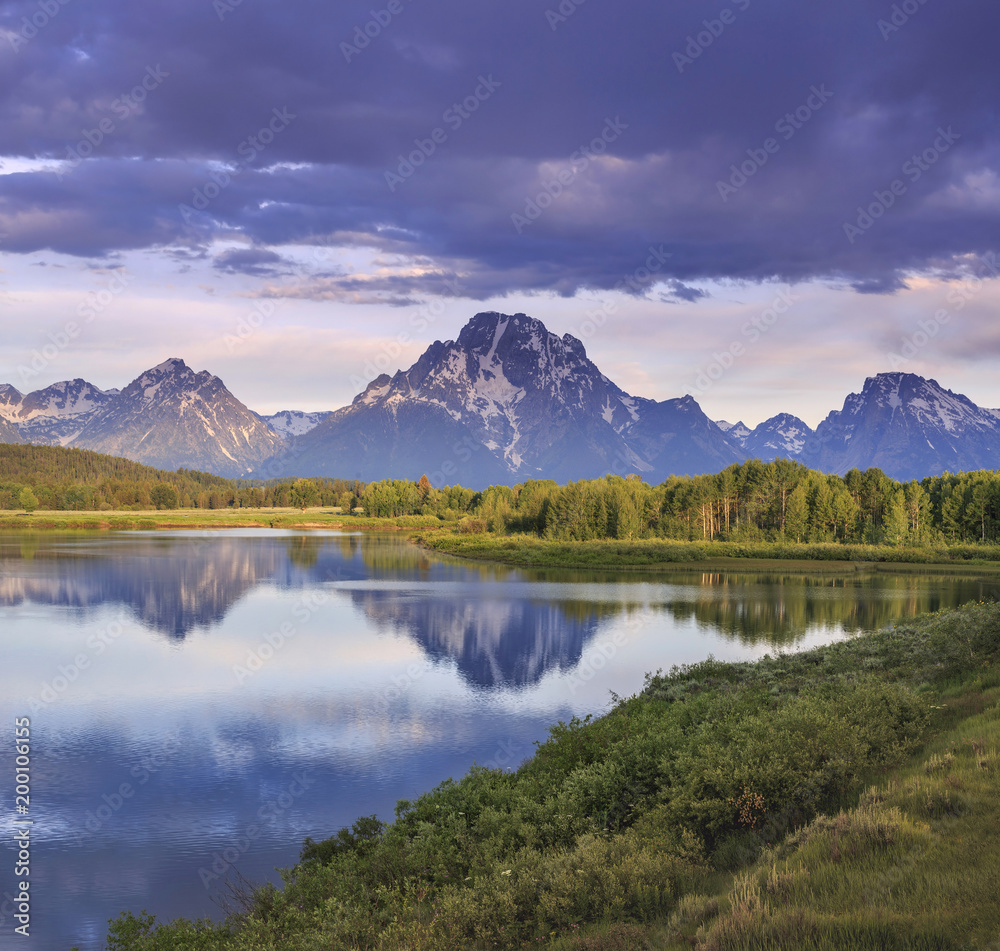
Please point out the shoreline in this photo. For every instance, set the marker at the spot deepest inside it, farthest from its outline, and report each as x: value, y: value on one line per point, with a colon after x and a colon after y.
x: 661, y: 555
x: 640, y: 557
x: 197, y: 519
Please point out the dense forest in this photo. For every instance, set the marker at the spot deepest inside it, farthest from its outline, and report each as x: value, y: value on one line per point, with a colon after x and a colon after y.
x: 754, y: 501
x: 780, y: 500
x: 54, y: 478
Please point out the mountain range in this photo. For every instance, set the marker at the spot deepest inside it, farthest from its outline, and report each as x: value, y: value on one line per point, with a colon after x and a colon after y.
x: 505, y: 402
x: 168, y: 417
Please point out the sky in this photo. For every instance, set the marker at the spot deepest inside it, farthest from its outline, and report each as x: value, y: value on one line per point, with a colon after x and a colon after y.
x: 757, y: 202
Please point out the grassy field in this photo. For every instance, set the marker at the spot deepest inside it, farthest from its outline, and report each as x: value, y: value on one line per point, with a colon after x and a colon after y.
x: 529, y: 551
x: 841, y: 798
x: 211, y: 518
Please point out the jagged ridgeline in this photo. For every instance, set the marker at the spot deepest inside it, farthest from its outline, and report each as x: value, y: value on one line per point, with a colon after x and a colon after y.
x: 506, y: 402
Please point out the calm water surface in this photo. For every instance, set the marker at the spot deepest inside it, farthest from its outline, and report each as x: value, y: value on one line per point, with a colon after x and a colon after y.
x: 200, y: 702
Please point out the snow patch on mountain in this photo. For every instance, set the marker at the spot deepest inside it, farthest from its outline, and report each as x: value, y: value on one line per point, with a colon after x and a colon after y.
x: 171, y: 416
x: 782, y: 436
x: 292, y: 422
x: 10, y: 401
x: 736, y: 431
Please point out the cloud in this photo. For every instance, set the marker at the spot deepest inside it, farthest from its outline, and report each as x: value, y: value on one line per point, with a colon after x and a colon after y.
x: 199, y: 159
x: 257, y: 262
x: 679, y: 291
x: 881, y: 284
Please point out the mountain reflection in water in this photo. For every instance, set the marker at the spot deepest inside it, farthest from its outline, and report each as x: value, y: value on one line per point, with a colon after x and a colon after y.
x: 177, y: 583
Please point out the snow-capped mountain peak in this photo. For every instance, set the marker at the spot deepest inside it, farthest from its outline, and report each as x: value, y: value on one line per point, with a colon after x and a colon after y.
x: 781, y: 436
x: 925, y: 401
x: 909, y: 427
x: 509, y: 400
x: 738, y: 432
x: 170, y: 416
x: 56, y: 414
x: 173, y: 375
x: 292, y: 422
x: 10, y: 401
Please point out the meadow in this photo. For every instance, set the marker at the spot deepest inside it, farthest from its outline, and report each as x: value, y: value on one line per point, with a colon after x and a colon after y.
x: 195, y: 518
x: 529, y: 551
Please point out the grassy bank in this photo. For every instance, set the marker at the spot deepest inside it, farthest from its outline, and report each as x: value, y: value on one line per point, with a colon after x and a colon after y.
x: 320, y: 517
x: 529, y: 551
x: 844, y: 797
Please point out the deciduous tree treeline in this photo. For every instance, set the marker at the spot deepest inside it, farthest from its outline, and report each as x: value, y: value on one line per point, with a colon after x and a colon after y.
x: 780, y: 500
x: 80, y: 480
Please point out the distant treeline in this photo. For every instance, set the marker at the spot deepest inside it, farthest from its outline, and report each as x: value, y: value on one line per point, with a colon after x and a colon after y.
x: 59, y: 479
x: 780, y: 500
x: 753, y: 501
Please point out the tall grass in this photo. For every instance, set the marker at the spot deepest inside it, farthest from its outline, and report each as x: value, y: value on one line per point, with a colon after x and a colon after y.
x: 531, y: 551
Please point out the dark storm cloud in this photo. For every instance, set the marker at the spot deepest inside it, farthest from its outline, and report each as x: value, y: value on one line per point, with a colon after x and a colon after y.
x: 853, y: 141
x: 879, y: 285
x: 258, y: 262
x: 679, y: 291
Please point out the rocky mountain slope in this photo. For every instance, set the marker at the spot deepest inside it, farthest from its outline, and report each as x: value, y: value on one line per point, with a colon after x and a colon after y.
x: 781, y: 436
x: 505, y: 402
x: 910, y: 428
x: 56, y: 415
x: 9, y: 432
x: 170, y: 416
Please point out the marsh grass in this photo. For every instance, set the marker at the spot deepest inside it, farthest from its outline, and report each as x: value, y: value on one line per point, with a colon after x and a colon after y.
x: 318, y: 517
x: 530, y: 551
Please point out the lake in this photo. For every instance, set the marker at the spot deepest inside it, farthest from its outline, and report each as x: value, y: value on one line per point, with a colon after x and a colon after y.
x: 200, y: 702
